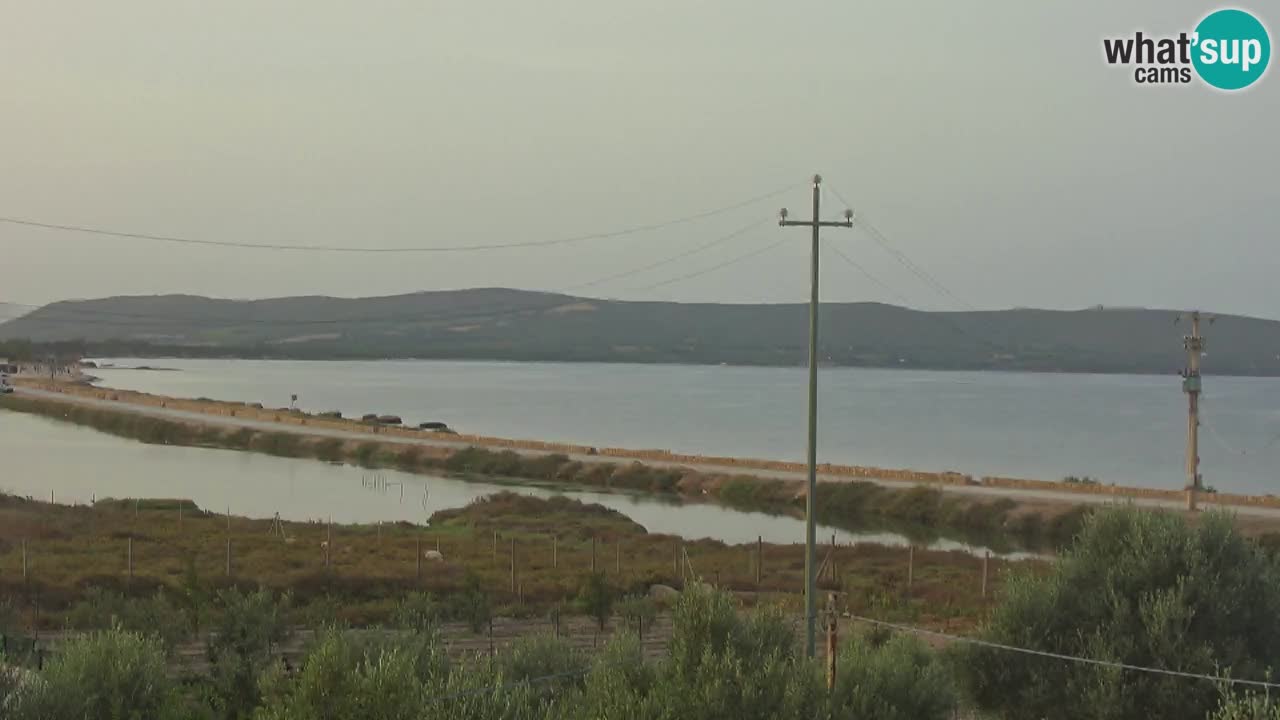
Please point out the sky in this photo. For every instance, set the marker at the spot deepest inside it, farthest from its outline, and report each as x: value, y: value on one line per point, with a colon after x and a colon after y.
x: 989, y: 142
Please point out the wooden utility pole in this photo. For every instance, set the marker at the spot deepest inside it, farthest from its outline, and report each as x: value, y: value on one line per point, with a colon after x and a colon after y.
x: 831, y: 643
x: 810, y: 510
x: 1194, y: 345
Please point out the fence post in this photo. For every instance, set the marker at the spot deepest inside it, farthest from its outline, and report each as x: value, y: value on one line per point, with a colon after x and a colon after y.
x: 833, y: 570
x: 179, y: 517
x: 986, y: 558
x: 759, y: 559
x: 328, y: 542
x: 228, y: 557
x: 911, y: 566
x: 379, y: 532
x: 417, y: 554
x: 495, y: 547
x: 24, y: 561
x: 555, y: 552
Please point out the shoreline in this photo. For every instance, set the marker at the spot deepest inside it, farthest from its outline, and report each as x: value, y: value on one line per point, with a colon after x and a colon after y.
x: 920, y: 513
x: 995, y: 486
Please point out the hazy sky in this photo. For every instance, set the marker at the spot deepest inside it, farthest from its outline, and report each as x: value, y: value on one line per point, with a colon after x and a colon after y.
x: 988, y: 140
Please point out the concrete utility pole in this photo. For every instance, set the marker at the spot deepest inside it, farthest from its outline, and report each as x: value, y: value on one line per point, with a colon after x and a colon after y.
x: 810, y: 587
x: 1191, y: 386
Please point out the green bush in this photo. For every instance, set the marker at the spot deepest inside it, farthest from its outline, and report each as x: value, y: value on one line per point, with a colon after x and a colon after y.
x: 1246, y: 707
x: 472, y: 605
x: 365, y: 454
x: 899, y: 679
x: 638, y: 611
x: 620, y: 684
x: 340, y: 679
x: 282, y: 444
x: 723, y: 666
x: 241, y: 439
x: 249, y: 626
x: 551, y: 662
x: 155, y: 616
x: 329, y: 450
x: 1137, y: 587
x: 417, y: 612
x: 596, y: 597
x: 109, y: 675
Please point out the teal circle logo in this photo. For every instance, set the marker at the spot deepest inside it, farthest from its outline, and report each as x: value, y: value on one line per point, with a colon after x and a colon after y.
x: 1231, y: 49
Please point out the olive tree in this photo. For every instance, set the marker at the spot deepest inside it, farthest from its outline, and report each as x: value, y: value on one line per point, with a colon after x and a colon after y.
x: 1137, y: 587
x: 110, y: 675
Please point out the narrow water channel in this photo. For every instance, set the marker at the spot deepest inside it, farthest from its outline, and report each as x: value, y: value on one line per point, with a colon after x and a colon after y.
x: 40, y: 456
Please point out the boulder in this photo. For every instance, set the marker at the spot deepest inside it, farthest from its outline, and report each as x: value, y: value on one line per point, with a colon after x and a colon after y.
x: 663, y: 593
x: 433, y: 556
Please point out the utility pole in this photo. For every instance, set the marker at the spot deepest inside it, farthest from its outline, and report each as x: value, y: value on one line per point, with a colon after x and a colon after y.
x: 810, y: 508
x: 1194, y: 345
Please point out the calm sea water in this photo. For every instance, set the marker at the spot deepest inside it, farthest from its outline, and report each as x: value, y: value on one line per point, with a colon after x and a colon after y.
x: 1118, y: 428
x: 77, y: 464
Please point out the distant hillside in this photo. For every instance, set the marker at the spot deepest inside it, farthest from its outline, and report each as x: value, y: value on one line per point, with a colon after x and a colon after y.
x: 519, y: 325
x: 9, y: 312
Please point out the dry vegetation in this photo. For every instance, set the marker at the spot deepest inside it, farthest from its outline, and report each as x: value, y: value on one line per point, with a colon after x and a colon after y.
x: 70, y: 550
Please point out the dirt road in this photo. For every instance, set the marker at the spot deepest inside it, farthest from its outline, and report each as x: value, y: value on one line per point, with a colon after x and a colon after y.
x: 431, y: 440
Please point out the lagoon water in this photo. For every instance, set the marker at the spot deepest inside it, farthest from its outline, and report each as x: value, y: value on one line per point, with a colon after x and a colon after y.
x: 1123, y: 429
x: 40, y: 455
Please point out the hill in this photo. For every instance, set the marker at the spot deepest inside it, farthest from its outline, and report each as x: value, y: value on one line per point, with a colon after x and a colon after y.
x: 520, y: 325
x: 10, y: 312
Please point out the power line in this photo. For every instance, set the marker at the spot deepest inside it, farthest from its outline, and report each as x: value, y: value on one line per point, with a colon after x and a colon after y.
x: 1213, y: 433
x: 915, y: 269
x: 867, y: 274
x: 671, y: 259
x: 713, y: 268
x: 937, y: 317
x: 420, y: 249
x: 1062, y: 656
x: 72, y: 315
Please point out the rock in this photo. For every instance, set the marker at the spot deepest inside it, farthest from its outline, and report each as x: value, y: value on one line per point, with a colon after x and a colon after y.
x: 433, y: 556
x: 389, y: 420
x: 663, y: 593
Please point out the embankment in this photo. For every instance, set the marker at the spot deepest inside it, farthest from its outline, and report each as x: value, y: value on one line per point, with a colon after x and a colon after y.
x: 920, y: 512
x: 287, y: 417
